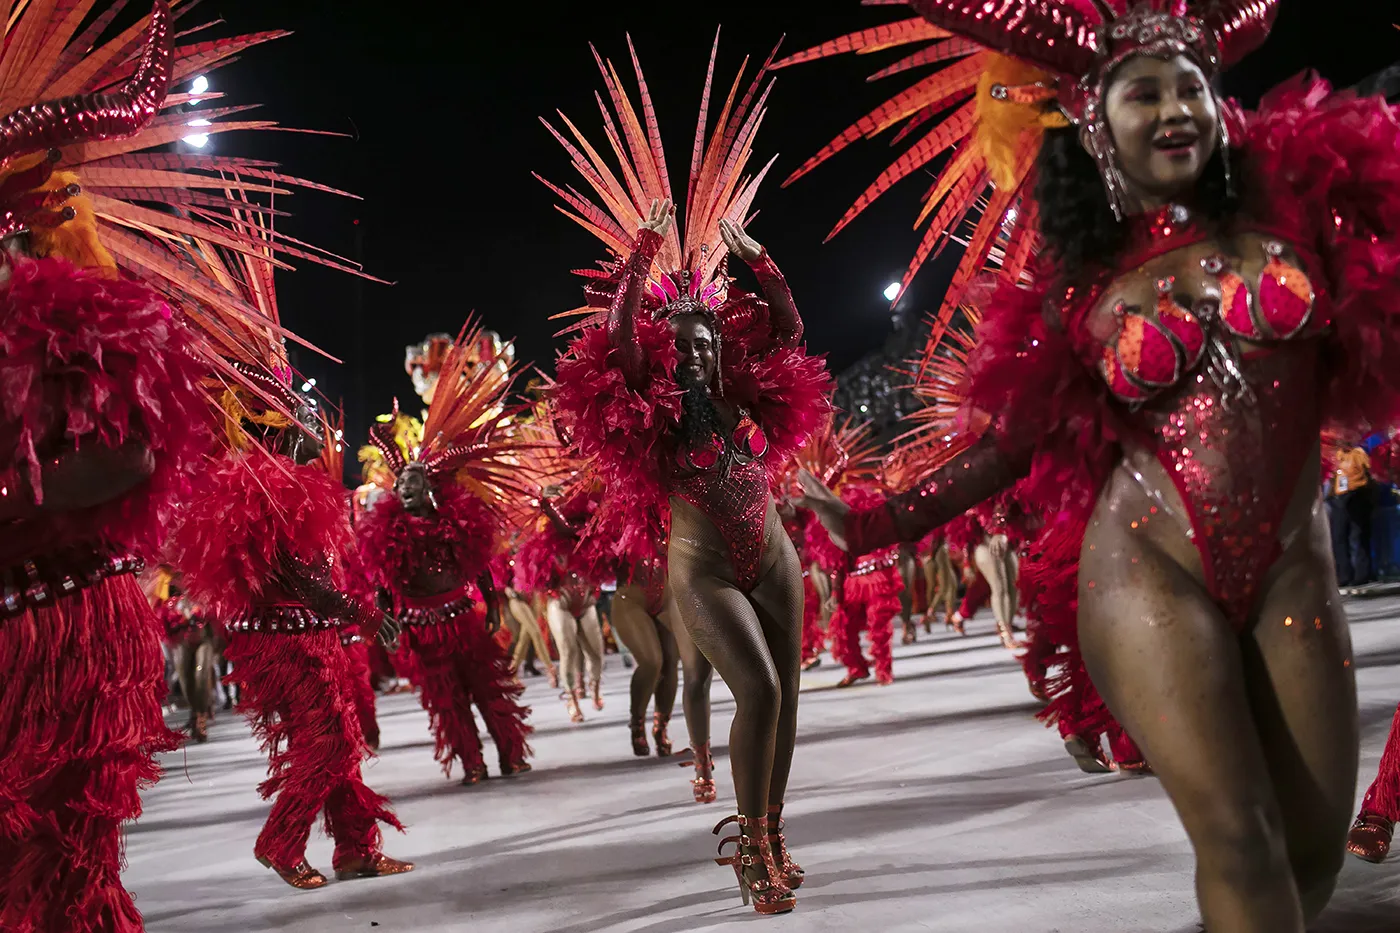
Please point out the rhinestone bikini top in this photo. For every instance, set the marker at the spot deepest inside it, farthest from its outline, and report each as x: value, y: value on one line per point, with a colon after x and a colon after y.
x: 1155, y: 347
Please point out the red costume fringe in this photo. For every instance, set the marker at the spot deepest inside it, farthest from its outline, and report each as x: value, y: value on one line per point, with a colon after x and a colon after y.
x: 85, y: 360
x: 457, y: 661
x: 872, y: 600
x: 362, y: 689
x: 296, y: 689
x: 1383, y: 796
x: 297, y: 692
x: 460, y: 664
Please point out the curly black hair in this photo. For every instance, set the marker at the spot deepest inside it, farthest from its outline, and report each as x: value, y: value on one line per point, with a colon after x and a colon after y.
x: 1076, y: 221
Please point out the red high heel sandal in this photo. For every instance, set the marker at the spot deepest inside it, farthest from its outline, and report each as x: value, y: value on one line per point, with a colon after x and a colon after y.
x: 659, y: 735
x: 640, y: 748
x: 791, y: 872
x: 703, y: 786
x: 759, y: 877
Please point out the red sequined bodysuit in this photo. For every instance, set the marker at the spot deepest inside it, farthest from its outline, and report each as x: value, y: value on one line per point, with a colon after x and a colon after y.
x: 1218, y: 376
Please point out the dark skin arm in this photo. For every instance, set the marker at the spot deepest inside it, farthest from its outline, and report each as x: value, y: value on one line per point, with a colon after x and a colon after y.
x: 983, y: 470
x: 628, y: 299
x: 784, y: 322
x: 79, y: 479
x: 316, y: 592
x: 492, y: 600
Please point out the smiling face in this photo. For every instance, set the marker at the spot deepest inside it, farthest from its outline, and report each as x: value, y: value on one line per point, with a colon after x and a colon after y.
x: 414, y: 491
x: 1165, y: 125
x: 695, y: 344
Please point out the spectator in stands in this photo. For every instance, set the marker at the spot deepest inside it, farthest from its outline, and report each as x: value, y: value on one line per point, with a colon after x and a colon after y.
x: 1350, y: 512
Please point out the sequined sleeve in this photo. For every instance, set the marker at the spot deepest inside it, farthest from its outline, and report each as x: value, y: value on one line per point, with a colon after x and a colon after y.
x: 312, y: 586
x: 628, y: 301
x: 783, y: 319
x: 984, y: 470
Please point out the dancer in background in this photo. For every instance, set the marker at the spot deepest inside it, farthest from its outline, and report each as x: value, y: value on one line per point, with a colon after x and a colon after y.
x: 1213, y: 287
x: 428, y: 549
x: 684, y: 392
x: 567, y: 564
x: 105, y: 428
x: 638, y: 610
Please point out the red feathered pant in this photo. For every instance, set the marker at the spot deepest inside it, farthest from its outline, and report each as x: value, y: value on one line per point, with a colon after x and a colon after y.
x: 813, y: 638
x: 361, y: 679
x: 298, y: 694
x: 460, y: 664
x: 869, y: 601
x: 1383, y: 796
x: 80, y: 725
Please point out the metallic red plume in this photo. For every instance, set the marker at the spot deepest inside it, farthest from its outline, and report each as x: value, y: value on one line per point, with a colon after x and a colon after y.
x: 381, y: 437
x: 1045, y: 33
x: 88, y: 117
x: 1240, y: 26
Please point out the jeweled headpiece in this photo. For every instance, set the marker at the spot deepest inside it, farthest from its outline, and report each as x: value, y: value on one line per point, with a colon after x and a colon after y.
x: 1082, y: 42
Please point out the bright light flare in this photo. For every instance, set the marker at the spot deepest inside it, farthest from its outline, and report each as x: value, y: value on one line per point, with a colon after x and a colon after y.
x: 199, y: 85
x: 892, y: 291
x: 198, y: 140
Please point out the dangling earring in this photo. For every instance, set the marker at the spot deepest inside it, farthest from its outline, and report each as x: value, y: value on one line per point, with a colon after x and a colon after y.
x: 1099, y: 144
x: 1225, y: 147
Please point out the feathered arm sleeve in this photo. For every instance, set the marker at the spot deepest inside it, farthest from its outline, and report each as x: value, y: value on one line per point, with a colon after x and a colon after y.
x: 95, y: 369
x: 783, y: 320
x: 622, y: 316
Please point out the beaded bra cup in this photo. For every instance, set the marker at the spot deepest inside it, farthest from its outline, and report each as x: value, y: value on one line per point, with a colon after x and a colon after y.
x: 1155, y: 348
x: 726, y: 481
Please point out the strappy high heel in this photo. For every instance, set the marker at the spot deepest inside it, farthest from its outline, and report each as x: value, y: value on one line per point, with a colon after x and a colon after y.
x: 759, y: 877
x: 791, y: 872
x: 571, y: 698
x: 640, y: 748
x: 703, y: 786
x: 659, y: 735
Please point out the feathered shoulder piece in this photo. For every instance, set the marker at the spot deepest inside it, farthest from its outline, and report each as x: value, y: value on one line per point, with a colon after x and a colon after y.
x: 467, y: 437
x: 839, y: 452
x: 690, y: 263
x: 394, y: 545
x: 246, y: 511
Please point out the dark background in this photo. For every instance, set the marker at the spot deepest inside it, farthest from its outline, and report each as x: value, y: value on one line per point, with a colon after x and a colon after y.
x: 441, y: 102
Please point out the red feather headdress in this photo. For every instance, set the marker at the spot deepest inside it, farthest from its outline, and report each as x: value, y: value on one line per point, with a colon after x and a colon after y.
x: 690, y: 267
x: 1006, y: 72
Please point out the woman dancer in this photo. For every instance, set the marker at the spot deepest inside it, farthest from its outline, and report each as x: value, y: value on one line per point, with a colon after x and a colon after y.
x: 427, y: 550
x: 941, y: 580
x: 638, y: 616
x: 1212, y: 287
x: 568, y: 565
x: 683, y: 393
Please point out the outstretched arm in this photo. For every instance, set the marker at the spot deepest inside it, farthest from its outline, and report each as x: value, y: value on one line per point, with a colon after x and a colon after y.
x: 974, y: 476
x: 313, y: 588
x: 628, y: 299
x: 785, y: 322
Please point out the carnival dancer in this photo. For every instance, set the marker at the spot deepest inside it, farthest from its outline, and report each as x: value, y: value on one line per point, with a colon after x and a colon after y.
x: 941, y: 581
x: 867, y: 591
x: 191, y: 641
x: 103, y: 426
x: 1213, y: 286
x: 567, y: 565
x: 429, y: 547
x: 684, y: 392
x: 638, y: 616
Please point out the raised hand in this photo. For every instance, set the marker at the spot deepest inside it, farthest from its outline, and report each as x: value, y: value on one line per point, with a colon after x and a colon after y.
x: 826, y: 505
x: 660, y: 216
x: 738, y: 242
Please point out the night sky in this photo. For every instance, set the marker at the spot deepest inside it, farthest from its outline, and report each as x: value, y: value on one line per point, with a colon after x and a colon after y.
x: 441, y: 110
